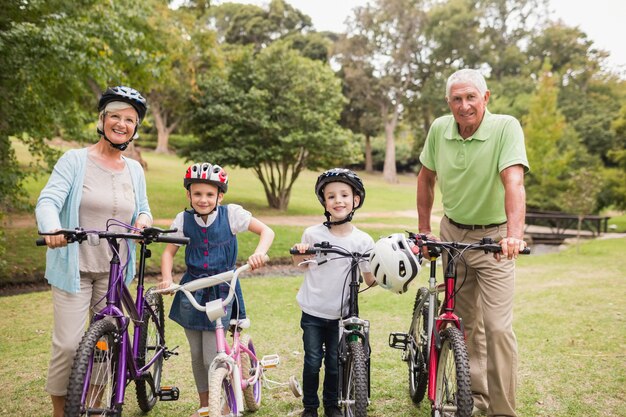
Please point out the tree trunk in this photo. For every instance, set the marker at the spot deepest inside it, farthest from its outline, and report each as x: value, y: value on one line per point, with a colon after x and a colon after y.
x: 369, y: 162
x: 133, y: 152
x: 163, y: 130
x: 389, y: 168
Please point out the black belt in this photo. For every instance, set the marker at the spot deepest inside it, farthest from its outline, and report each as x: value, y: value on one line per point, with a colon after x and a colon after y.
x: 474, y: 226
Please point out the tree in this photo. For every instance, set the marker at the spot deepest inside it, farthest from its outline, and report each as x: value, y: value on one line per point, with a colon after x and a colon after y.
x: 361, y: 113
x: 275, y: 112
x: 554, y: 150
x: 394, y: 33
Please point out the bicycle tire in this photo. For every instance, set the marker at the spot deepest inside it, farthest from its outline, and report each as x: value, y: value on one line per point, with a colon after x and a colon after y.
x: 354, y: 390
x: 418, y: 347
x: 96, y: 360
x: 252, y: 393
x: 221, y: 394
x: 152, y: 336
x: 453, y: 395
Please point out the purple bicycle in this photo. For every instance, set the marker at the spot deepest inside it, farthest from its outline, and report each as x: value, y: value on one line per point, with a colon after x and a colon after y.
x: 109, y: 357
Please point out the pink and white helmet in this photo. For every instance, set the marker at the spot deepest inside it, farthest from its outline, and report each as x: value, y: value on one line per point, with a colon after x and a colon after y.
x: 393, y: 263
x: 207, y: 173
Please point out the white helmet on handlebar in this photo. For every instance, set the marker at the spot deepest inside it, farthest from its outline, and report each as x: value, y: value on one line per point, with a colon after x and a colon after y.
x: 393, y: 263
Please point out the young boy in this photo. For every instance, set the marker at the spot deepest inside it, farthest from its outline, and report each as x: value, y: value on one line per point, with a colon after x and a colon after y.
x: 341, y: 192
x: 212, y: 249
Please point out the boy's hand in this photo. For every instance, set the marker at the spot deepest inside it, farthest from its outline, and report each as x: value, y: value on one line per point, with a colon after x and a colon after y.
x: 257, y: 260
x: 300, y: 247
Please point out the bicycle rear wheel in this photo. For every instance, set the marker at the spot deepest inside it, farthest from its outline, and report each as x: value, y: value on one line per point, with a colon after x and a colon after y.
x: 150, y: 342
x: 453, y: 396
x: 92, y: 384
x: 418, y: 347
x: 354, y: 389
x: 221, y: 395
x: 252, y: 393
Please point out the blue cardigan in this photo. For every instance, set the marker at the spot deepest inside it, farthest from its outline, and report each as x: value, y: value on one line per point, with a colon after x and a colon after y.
x: 57, y: 208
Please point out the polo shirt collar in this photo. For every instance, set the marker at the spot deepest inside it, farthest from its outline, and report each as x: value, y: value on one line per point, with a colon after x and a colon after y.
x: 452, y: 132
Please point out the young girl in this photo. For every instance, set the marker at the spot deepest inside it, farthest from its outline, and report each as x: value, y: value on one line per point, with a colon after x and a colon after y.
x: 212, y: 229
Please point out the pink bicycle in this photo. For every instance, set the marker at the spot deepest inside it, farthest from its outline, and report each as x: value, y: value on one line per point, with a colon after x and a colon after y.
x: 236, y: 373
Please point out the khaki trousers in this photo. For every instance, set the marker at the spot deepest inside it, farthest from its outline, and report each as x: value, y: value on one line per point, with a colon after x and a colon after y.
x: 484, y: 301
x: 71, y: 314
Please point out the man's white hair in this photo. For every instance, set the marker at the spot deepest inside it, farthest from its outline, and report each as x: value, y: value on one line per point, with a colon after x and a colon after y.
x: 467, y: 75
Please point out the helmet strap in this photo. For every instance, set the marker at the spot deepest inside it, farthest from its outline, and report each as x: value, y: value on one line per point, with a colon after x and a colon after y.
x: 120, y: 146
x: 328, y: 223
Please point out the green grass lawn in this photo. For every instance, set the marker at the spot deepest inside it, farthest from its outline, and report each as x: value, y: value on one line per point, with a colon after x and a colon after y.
x: 571, y: 363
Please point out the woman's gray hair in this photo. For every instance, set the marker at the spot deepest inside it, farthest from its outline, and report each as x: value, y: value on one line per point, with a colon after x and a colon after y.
x: 470, y: 76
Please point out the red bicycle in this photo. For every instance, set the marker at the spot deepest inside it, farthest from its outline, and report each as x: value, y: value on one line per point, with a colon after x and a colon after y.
x: 434, y: 348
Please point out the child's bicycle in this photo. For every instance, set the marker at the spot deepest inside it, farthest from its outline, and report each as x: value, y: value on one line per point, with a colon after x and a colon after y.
x: 434, y: 347
x: 354, y: 345
x: 236, y: 373
x: 108, y: 357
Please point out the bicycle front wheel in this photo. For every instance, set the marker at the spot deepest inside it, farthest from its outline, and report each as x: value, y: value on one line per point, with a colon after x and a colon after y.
x: 418, y: 347
x: 150, y: 343
x: 222, y: 400
x: 453, y: 396
x: 252, y: 393
x: 354, y: 390
x: 92, y: 384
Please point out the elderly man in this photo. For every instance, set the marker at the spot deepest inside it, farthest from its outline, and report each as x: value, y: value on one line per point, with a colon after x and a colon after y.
x: 479, y: 160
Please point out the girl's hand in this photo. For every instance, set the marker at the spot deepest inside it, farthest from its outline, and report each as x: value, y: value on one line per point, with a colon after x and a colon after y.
x: 256, y: 260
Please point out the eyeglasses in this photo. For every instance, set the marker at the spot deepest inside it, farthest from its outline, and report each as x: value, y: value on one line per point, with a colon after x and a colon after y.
x: 118, y: 118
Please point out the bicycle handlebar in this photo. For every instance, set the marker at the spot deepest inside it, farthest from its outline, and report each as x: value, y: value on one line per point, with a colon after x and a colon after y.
x: 215, y: 308
x: 149, y: 235
x: 486, y: 244
x: 326, y: 247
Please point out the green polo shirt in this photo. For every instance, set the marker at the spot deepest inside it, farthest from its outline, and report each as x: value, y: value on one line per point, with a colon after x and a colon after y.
x: 468, y: 171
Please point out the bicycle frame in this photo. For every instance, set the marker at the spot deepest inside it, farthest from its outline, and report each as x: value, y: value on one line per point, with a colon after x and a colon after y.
x: 447, y: 317
x: 118, y: 299
x: 353, y: 327
x: 120, y: 308
x: 228, y: 356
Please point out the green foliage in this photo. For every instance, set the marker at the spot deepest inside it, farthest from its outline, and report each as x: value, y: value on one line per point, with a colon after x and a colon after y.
x: 275, y: 112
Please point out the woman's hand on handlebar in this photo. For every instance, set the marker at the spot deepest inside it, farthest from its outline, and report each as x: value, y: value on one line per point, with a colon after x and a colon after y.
x: 55, y: 241
x: 511, y: 247
x: 257, y: 260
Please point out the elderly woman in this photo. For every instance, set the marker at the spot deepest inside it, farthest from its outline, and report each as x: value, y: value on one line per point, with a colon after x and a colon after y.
x: 86, y: 188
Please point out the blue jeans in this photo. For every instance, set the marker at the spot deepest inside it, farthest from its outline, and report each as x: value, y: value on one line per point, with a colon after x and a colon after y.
x: 321, y: 340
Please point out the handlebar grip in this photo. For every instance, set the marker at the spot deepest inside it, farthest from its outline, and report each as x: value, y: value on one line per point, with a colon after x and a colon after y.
x: 293, y: 251
x: 40, y: 242
x: 171, y: 239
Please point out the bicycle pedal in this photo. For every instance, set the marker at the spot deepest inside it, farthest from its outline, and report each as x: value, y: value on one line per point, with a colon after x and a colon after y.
x: 398, y: 340
x: 270, y: 361
x: 169, y: 393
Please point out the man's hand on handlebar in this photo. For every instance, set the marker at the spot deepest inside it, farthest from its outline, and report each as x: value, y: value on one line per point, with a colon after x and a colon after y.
x: 428, y: 236
x: 511, y: 247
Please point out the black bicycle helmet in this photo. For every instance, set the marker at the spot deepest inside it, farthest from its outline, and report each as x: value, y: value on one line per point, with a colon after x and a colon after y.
x: 127, y: 95
x: 340, y: 175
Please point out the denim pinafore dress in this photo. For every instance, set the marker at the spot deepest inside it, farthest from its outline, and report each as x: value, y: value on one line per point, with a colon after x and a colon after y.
x: 211, y: 250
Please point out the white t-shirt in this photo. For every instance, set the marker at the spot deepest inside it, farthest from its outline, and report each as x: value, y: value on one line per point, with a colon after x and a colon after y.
x: 238, y: 218
x: 326, y: 285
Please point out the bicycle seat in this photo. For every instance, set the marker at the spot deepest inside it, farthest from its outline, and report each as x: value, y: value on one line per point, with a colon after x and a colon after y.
x: 243, y: 323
